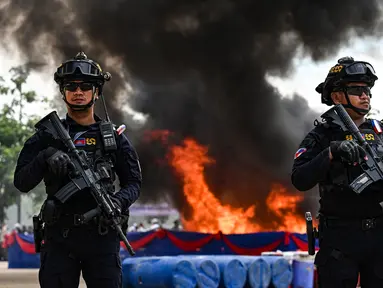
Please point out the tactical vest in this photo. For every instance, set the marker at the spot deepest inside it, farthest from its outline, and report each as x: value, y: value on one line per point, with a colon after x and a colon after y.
x: 89, y: 141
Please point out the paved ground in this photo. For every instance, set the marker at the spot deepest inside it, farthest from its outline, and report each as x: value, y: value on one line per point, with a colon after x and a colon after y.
x: 20, y: 278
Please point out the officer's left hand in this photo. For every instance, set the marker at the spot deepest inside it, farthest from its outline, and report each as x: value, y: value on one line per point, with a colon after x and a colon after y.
x: 117, y: 204
x: 118, y: 208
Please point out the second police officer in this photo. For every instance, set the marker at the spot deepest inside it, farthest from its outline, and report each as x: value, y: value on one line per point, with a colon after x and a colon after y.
x: 350, y: 224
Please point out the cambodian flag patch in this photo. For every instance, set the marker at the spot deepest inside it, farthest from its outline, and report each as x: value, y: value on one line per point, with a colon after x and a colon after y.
x: 79, y: 142
x: 299, y: 152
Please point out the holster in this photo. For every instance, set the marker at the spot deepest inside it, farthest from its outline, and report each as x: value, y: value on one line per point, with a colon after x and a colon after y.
x: 37, y: 232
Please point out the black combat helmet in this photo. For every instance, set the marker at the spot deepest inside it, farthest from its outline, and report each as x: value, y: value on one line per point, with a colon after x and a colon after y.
x: 345, y: 71
x: 83, y: 69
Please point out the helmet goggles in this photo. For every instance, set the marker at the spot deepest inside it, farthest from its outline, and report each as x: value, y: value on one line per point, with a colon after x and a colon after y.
x: 359, y: 68
x: 79, y: 67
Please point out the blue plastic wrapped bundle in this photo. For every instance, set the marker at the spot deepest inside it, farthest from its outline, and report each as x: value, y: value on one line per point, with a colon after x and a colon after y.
x: 281, y: 271
x: 208, y: 271
x: 127, y: 266
x: 233, y: 271
x: 303, y: 274
x: 258, y: 271
x: 159, y: 272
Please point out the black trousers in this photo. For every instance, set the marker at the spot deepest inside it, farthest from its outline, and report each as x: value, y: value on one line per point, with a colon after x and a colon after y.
x: 67, y: 252
x: 347, y: 251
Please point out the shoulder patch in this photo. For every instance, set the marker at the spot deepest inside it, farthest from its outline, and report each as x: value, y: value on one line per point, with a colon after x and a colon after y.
x: 121, y: 129
x: 299, y: 152
x: 377, y: 126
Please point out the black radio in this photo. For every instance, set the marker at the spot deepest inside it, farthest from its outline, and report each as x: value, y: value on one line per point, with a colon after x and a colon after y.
x: 108, y: 136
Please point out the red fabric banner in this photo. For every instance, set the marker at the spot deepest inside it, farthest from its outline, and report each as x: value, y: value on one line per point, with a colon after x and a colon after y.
x: 190, y: 245
x: 185, y: 245
x: 251, y: 251
x: 25, y: 246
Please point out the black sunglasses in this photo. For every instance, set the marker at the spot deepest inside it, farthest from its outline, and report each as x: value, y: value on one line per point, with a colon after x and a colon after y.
x: 84, y: 86
x: 358, y: 90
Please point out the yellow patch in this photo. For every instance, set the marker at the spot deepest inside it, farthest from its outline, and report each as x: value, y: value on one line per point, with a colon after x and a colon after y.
x: 336, y: 69
x: 90, y: 141
x: 368, y: 137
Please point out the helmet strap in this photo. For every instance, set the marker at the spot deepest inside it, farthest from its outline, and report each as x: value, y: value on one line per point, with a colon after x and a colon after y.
x: 359, y: 111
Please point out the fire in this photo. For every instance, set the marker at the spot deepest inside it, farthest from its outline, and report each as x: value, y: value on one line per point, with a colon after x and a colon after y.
x: 209, y: 214
x: 285, y: 206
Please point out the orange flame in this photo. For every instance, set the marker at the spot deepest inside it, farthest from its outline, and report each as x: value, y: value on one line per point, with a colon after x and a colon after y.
x: 209, y: 214
x: 285, y: 207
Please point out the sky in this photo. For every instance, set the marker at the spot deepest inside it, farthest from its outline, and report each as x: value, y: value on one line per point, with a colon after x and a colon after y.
x: 309, y: 74
x: 43, y: 84
x: 305, y: 77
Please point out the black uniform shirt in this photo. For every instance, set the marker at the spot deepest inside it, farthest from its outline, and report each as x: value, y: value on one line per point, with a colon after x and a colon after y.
x: 31, y: 166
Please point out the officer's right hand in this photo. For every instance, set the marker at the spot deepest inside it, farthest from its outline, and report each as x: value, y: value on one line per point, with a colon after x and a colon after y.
x: 347, y: 151
x: 58, y: 161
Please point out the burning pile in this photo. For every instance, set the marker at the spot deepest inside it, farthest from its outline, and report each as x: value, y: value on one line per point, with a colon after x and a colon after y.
x: 208, y: 213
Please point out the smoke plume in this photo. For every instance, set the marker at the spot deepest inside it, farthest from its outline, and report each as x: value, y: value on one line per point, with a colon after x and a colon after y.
x: 198, y: 69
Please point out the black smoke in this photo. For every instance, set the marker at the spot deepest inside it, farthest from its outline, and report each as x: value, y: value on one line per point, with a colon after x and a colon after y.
x: 198, y: 68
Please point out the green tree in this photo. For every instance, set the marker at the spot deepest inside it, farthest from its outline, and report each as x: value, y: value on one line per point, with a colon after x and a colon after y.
x: 15, y: 129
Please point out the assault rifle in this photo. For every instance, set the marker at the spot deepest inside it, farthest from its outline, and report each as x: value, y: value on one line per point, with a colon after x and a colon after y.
x: 83, y: 176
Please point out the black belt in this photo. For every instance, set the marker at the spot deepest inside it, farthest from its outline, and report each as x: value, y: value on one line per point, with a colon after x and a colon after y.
x: 73, y: 220
x: 364, y: 224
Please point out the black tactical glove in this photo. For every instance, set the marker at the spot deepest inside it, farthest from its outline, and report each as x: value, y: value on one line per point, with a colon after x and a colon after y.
x: 105, y: 223
x: 123, y: 215
x: 347, y: 151
x: 58, y: 161
x: 117, y: 203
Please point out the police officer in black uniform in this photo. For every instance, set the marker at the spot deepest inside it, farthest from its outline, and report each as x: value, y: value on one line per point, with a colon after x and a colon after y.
x: 70, y: 248
x: 350, y: 224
